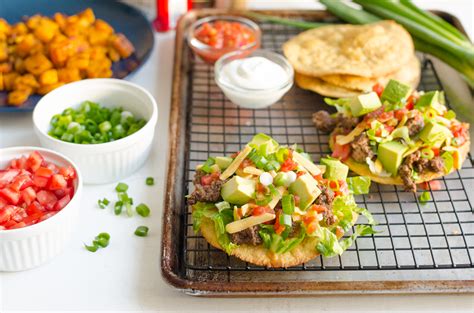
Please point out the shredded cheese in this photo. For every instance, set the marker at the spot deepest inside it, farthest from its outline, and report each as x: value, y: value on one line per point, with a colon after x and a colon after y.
x: 236, y: 226
x: 253, y: 171
x: 235, y: 163
x: 307, y: 164
x: 345, y: 139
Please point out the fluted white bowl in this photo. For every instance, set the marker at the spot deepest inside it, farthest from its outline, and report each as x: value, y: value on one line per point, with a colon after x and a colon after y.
x: 31, y: 246
x: 105, y: 162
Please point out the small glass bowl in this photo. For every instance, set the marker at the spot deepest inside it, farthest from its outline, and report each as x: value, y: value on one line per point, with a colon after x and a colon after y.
x: 253, y: 98
x: 210, y: 54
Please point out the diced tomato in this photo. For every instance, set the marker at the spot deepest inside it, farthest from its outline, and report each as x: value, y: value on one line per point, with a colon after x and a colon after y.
x: 339, y: 232
x: 261, y: 188
x: 34, y: 161
x: 68, y: 172
x: 28, y: 195
x: 7, y: 176
x: 40, y: 182
x: 62, y: 203
x: 318, y: 208
x: 21, y: 182
x: 245, y: 163
x: 288, y: 165
x: 12, y: 196
x: 309, y: 218
x: 52, y: 167
x: 389, y: 128
x: 435, y: 151
x: 31, y: 219
x: 312, y: 227
x: 57, y: 182
x: 385, y: 116
x: 410, y: 103
x: 341, y: 151
x: 44, y: 172
x: 224, y: 34
x: 374, y: 114
x: 277, y: 226
x: 208, y: 179
x: 299, y: 173
x: 3, y: 202
x: 46, y: 198
x: 318, y: 177
x: 378, y: 88
x: 9, y: 224
x: 434, y: 185
x: 259, y: 210
x: 19, y: 215
x: 6, y: 213
x: 34, y: 207
x: 399, y: 114
x: 18, y: 225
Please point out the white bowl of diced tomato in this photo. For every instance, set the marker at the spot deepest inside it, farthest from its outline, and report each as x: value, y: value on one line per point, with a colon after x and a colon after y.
x: 39, y: 200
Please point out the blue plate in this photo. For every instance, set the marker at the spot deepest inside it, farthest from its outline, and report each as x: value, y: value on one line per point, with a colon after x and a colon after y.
x: 122, y: 17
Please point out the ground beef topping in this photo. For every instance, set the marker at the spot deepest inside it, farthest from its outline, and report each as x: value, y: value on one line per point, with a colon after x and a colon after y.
x: 326, y: 197
x: 247, y: 236
x: 415, y: 125
x: 361, y: 149
x: 210, y: 191
x: 347, y: 123
x: 421, y: 165
x: 327, y: 123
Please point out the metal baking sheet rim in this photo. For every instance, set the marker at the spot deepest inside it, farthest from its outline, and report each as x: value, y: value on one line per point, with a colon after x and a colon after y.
x: 177, y: 129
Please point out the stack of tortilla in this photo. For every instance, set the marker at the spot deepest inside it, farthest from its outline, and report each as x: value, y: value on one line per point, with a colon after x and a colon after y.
x: 347, y: 60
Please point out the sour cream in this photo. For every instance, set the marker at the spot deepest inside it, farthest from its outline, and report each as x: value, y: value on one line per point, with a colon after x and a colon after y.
x: 256, y: 81
x: 254, y: 73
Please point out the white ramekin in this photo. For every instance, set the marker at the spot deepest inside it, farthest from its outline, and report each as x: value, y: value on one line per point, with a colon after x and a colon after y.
x: 105, y: 162
x: 31, y: 246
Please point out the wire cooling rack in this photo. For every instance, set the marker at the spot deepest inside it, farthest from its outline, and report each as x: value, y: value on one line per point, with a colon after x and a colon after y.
x: 437, y: 236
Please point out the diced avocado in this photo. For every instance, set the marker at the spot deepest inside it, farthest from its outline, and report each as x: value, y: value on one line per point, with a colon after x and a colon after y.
x: 223, y: 162
x: 434, y: 132
x: 238, y: 190
x: 402, y: 132
x: 390, y: 155
x: 264, y: 144
x: 306, y: 188
x: 365, y: 103
x: 427, y: 99
x: 335, y: 169
x: 395, y: 92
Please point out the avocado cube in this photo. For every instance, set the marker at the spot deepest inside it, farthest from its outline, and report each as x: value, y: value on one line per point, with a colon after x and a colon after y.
x: 427, y: 99
x: 306, y: 188
x: 223, y: 162
x: 264, y: 144
x: 395, y: 92
x: 365, y: 103
x: 434, y: 132
x: 335, y: 169
x: 238, y: 190
x: 390, y: 154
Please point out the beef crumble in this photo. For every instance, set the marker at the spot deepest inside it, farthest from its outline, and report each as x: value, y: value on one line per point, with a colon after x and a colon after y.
x: 247, y: 236
x: 421, y: 165
x: 327, y: 123
x: 205, y: 193
x: 361, y: 149
x: 415, y: 125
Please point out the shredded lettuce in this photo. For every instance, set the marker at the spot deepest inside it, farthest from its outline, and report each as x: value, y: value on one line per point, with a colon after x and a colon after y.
x: 424, y: 197
x: 373, y: 169
x: 342, y: 105
x: 448, y: 161
x: 367, y: 215
x: 277, y: 243
x: 342, y: 208
x: 220, y: 219
x: 330, y: 246
x: 359, y: 185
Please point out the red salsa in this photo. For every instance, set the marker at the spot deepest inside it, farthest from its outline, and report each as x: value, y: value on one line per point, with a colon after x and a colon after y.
x: 32, y: 190
x: 223, y: 34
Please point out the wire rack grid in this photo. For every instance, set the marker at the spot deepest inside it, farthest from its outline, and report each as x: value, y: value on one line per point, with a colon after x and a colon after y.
x: 438, y: 234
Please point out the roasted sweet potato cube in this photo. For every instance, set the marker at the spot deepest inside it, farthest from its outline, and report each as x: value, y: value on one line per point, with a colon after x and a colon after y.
x: 24, y: 47
x: 49, y: 77
x: 19, y: 29
x: 67, y: 75
x: 9, y: 80
x: 5, y: 28
x: 37, y: 64
x: 19, y: 65
x: 123, y: 46
x: 103, y: 27
x: 97, y: 37
x: 34, y: 21
x: 5, y: 67
x: 87, y: 15
x: 18, y: 97
x: 113, y: 54
x: 42, y: 90
x: 60, y: 19
x: 2, y: 85
x: 27, y: 81
x: 79, y: 61
x: 60, y: 51
x: 3, y: 52
x: 46, y: 30
x: 98, y: 53
x: 72, y: 29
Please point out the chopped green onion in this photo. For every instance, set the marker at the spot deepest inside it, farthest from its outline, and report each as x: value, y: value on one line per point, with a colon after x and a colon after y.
x: 272, y: 165
x: 121, y: 187
x: 118, y: 207
x: 143, y: 210
x: 103, y: 203
x: 222, y: 205
x: 150, y: 181
x: 92, y: 248
x: 424, y: 197
x: 427, y: 153
x: 141, y: 231
x: 285, y: 219
x: 281, y: 179
x: 288, y: 204
x: 450, y: 115
x: 206, y: 167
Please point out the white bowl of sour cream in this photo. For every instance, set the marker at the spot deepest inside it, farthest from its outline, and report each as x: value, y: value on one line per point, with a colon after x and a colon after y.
x: 254, y: 80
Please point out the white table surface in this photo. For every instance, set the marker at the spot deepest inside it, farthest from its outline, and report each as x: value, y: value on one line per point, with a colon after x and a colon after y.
x: 126, y: 275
